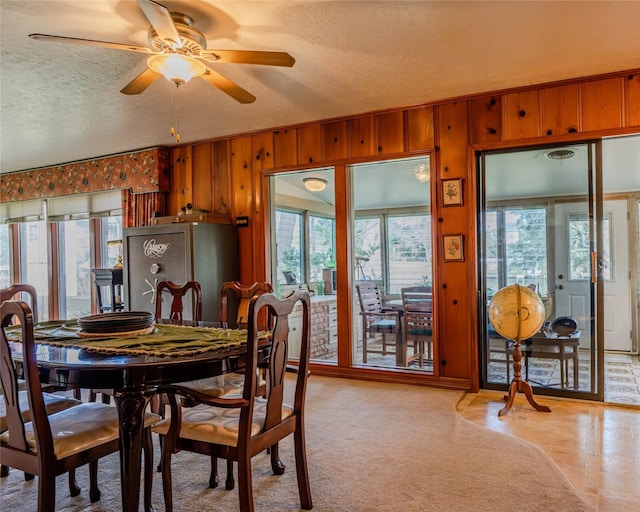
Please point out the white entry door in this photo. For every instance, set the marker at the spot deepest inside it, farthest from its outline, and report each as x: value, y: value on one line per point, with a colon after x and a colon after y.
x: 573, y: 271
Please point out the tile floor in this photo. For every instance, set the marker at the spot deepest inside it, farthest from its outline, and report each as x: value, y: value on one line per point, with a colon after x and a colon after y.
x: 596, y: 445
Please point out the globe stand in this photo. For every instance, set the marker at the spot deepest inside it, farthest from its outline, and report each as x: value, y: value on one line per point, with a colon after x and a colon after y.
x: 518, y: 385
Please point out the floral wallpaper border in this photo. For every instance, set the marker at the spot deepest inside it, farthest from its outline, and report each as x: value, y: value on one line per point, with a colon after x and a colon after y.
x: 141, y: 171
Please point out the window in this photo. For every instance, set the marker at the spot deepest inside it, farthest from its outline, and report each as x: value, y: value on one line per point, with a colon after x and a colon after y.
x: 34, y: 262
x: 580, y: 248
x: 74, y: 256
x: 367, y: 249
x: 111, y: 230
x: 522, y: 256
x: 321, y: 246
x: 409, y: 251
x: 5, y: 256
x: 288, y: 246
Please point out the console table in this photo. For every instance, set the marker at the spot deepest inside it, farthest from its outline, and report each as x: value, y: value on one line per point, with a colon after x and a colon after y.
x: 110, y: 279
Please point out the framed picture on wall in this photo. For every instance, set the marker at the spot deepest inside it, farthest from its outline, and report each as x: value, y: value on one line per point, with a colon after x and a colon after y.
x: 452, y: 192
x: 453, y: 248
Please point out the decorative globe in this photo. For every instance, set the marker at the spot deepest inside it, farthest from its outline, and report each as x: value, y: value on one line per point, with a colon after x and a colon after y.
x: 516, y: 312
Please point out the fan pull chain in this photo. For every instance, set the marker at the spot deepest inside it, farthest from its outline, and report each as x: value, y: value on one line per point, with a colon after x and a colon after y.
x: 175, y: 115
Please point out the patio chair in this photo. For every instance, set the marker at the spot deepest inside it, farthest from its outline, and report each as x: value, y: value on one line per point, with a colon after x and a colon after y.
x: 377, y: 320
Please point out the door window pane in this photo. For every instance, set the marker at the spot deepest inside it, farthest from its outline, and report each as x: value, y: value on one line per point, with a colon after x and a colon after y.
x: 580, y: 248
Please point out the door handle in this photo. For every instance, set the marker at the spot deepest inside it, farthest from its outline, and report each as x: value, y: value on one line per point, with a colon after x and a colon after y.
x: 560, y: 287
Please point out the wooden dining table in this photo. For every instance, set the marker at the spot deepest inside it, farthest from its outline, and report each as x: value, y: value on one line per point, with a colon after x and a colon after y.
x: 133, y: 367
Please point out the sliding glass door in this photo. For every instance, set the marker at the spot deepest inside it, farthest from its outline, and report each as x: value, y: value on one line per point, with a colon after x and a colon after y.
x: 542, y: 226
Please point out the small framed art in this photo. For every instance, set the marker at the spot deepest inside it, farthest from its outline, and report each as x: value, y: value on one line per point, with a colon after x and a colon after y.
x: 453, y: 248
x: 452, y: 192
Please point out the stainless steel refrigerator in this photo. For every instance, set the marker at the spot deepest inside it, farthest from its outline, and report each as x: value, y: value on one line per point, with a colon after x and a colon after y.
x: 203, y: 252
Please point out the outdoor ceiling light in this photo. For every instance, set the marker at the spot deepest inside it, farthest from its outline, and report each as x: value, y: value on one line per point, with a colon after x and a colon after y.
x: 315, y: 184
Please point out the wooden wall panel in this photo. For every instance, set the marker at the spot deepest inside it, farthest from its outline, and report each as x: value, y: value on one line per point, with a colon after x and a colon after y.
x: 560, y: 109
x: 521, y: 115
x: 242, y: 186
x: 181, y: 187
x: 632, y: 95
x: 602, y: 104
x: 455, y: 302
x: 310, y: 144
x: 361, y: 136
x: 221, y: 178
x: 419, y: 134
x: 263, y: 153
x: 486, y: 119
x: 335, y: 138
x: 389, y: 130
x: 203, y: 177
x: 241, y: 176
x: 286, y: 147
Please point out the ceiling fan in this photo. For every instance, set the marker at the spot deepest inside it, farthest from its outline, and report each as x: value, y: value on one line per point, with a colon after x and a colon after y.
x: 178, y: 51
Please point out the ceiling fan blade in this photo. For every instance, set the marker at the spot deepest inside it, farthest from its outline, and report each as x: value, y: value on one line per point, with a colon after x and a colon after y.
x: 161, y: 20
x: 141, y: 82
x: 251, y: 57
x: 90, y: 42
x: 227, y: 86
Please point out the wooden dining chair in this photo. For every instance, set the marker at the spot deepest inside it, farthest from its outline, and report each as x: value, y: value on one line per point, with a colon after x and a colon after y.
x: 377, y: 320
x: 238, y: 427
x: 234, y: 302
x: 50, y: 445
x: 417, y: 317
x: 21, y: 291
x: 178, y: 293
x: 234, y: 311
x: 176, y: 316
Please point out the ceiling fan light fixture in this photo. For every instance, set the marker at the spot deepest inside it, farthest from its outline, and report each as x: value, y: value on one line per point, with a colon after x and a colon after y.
x: 315, y: 184
x: 176, y: 68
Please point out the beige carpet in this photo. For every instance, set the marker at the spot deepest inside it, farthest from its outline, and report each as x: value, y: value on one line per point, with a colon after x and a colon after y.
x: 371, y: 447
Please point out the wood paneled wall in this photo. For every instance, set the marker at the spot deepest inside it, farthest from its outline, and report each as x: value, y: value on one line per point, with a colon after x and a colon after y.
x: 225, y: 176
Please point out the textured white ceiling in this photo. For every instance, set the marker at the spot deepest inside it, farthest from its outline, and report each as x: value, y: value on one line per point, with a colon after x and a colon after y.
x: 61, y: 102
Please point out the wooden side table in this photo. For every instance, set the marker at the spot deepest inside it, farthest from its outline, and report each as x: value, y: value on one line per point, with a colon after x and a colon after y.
x: 110, y: 279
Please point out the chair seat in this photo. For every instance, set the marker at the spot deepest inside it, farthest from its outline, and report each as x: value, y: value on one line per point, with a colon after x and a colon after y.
x: 420, y: 332
x: 218, y: 425
x: 383, y: 325
x: 81, y: 427
x: 220, y: 385
x: 52, y: 404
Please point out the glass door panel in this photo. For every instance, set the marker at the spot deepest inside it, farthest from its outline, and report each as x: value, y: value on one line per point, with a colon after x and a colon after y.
x: 392, y: 248
x: 538, y: 229
x: 303, y: 248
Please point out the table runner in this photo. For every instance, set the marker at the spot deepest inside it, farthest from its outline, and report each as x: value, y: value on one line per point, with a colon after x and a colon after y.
x: 165, y: 340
